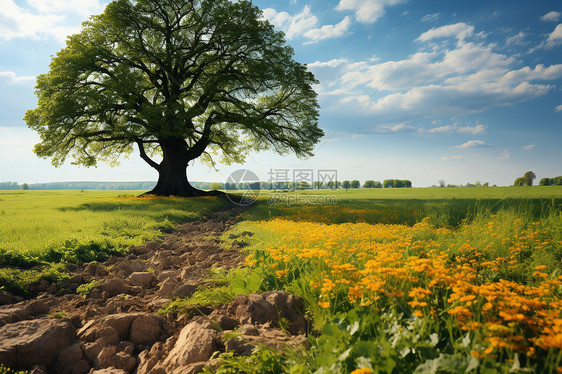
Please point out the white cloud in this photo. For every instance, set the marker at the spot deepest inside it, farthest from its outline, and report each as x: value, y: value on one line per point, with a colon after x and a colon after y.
x: 448, y: 129
x: 430, y: 17
x: 528, y: 147
x: 293, y: 26
x: 329, y: 31
x: 84, y: 8
x: 459, y: 30
x: 555, y: 38
x: 367, y: 11
x: 473, y: 144
x: 304, y: 24
x: 465, y: 78
x: 452, y: 158
x: 12, y: 78
x: 58, y: 18
x: 558, y: 108
x: 395, y: 128
x: 551, y: 16
x: 518, y: 39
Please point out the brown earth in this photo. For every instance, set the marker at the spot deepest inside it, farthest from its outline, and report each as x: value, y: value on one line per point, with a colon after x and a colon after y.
x: 116, y: 329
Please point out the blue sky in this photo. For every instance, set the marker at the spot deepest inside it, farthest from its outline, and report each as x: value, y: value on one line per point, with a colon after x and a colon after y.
x: 419, y: 90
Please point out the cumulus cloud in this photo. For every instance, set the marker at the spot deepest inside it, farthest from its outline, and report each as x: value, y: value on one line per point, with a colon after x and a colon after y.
x: 305, y: 24
x: 551, y: 16
x: 518, y: 39
x: 293, y: 26
x: 459, y: 30
x: 558, y: 108
x: 450, y: 129
x: 473, y: 144
x: 528, y: 147
x: 9, y: 77
x: 555, y: 38
x: 463, y: 78
x: 395, y: 128
x: 367, y: 11
x: 58, y: 18
x: 329, y: 31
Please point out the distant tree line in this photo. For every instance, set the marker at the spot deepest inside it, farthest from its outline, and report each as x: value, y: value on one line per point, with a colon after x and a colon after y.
x: 556, y: 181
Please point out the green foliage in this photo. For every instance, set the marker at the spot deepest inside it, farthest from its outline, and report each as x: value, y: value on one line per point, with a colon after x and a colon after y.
x: 355, y: 184
x: 40, y: 231
x: 529, y: 177
x: 216, y: 186
x: 346, y: 184
x: 86, y: 288
x: 7, y: 370
x: 520, y: 182
x: 262, y: 360
x: 59, y: 315
x: 372, y: 184
x: 384, y: 337
x: 208, y: 76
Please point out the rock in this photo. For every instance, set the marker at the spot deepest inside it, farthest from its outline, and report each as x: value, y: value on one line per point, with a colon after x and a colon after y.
x: 36, y: 307
x: 95, y: 294
x: 6, y: 298
x: 196, y: 343
x: 250, y: 330
x: 109, y: 371
x: 225, y: 322
x: 166, y: 274
x: 92, y: 350
x: 143, y: 279
x: 167, y: 287
x: 68, y: 357
x: 53, y: 288
x: 270, y: 307
x: 126, y: 347
x: 36, y: 342
x: 114, y: 287
x: 146, y: 329
x: 185, y: 289
x: 123, y: 326
x: 190, y: 369
x: 81, y: 367
x: 120, y: 360
x: 13, y: 314
x: 107, y: 334
x: 95, y: 269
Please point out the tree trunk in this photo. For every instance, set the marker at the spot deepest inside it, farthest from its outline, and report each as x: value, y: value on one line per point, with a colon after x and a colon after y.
x: 172, y: 171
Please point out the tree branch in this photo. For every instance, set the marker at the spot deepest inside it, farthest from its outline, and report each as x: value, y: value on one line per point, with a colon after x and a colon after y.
x: 145, y: 157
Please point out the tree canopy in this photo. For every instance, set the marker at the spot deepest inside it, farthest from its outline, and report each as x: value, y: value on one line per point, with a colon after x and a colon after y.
x: 207, y: 79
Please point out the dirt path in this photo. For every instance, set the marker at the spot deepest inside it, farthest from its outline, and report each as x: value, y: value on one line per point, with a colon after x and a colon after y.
x: 150, y: 275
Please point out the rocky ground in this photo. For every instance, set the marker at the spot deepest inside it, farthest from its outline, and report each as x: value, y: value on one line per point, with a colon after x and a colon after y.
x: 116, y: 329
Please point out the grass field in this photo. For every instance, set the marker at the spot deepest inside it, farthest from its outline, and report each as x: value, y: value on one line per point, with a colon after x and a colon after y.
x: 424, y: 281
x: 437, y: 280
x: 39, y: 230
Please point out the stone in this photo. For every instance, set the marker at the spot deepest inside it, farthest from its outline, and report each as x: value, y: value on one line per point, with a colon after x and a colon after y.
x: 108, y: 357
x: 185, y: 289
x: 249, y: 330
x: 142, y: 279
x: 146, y: 329
x: 167, y: 287
x: 6, y: 298
x: 68, y: 357
x: 81, y: 367
x: 92, y: 350
x: 35, y: 342
x: 109, y: 371
x: 114, y: 287
x: 196, y: 342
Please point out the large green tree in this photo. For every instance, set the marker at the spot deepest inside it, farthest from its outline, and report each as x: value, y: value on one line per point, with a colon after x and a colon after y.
x: 208, y: 79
